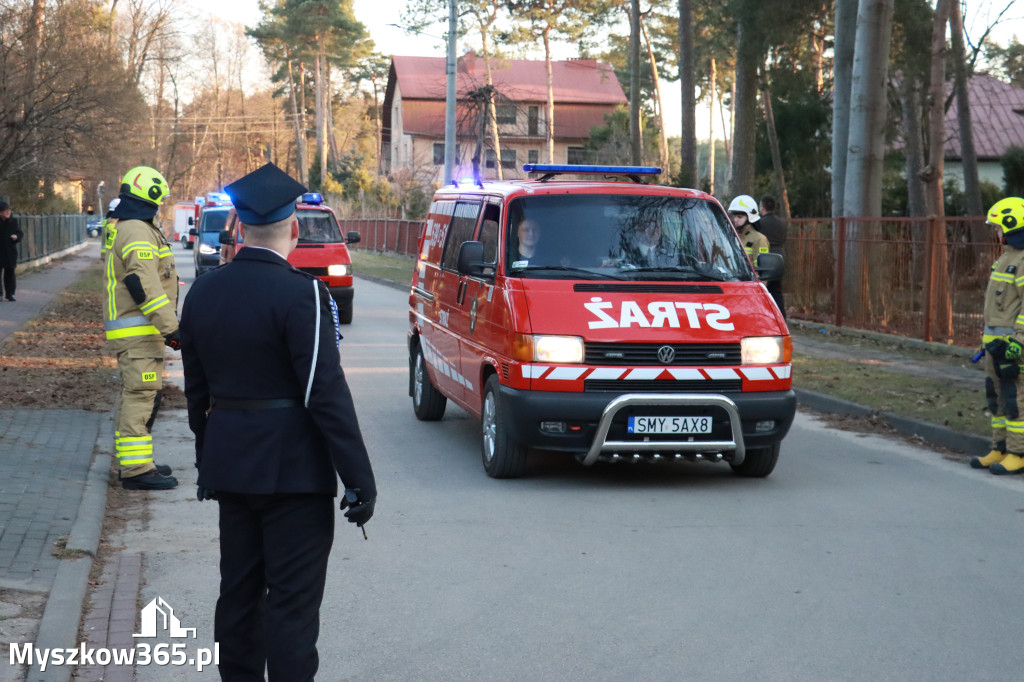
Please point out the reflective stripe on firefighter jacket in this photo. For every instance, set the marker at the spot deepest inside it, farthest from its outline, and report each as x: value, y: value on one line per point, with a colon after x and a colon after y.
x: 754, y: 243
x: 140, y: 249
x: 1004, y: 297
x: 108, y: 230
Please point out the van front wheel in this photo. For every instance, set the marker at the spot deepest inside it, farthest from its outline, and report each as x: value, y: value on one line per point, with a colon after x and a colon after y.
x: 759, y: 462
x: 503, y: 457
x: 427, y: 402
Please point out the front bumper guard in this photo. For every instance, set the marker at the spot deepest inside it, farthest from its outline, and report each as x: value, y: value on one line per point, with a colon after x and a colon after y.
x: 693, y: 446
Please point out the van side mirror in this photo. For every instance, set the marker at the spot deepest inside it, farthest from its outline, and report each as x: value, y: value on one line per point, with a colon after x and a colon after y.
x: 193, y: 232
x: 770, y: 266
x: 226, y: 238
x: 191, y: 220
x: 352, y: 237
x: 471, y: 260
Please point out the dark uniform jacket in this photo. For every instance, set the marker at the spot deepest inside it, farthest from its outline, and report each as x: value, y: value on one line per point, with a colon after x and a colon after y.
x: 774, y: 228
x: 8, y: 246
x: 253, y: 330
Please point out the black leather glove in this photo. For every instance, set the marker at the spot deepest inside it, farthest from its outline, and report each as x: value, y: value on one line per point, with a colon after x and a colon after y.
x: 205, y: 493
x: 359, y: 509
x: 173, y: 340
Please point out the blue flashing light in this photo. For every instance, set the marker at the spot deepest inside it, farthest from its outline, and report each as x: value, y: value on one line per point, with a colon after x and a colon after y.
x: 312, y: 198
x: 585, y: 169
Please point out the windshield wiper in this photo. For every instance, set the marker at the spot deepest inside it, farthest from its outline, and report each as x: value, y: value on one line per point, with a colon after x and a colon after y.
x: 589, y: 274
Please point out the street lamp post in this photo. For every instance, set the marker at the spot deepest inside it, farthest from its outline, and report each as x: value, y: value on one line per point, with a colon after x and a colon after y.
x: 449, y: 102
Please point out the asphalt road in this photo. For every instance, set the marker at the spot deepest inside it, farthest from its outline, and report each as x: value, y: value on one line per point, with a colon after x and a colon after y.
x: 859, y: 558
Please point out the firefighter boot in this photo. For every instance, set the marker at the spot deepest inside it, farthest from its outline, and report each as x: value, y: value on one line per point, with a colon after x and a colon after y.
x: 151, y: 480
x: 994, y: 457
x: 1011, y: 464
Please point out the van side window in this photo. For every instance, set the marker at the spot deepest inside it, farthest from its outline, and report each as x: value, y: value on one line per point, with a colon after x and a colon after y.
x: 460, y: 230
x: 489, y: 232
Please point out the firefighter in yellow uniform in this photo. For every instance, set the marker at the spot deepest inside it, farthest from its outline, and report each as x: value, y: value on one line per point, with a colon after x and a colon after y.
x: 108, y: 229
x: 743, y: 213
x: 1003, y: 339
x: 140, y: 319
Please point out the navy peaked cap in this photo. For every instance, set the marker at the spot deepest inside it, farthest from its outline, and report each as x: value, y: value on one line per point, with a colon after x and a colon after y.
x: 264, y: 196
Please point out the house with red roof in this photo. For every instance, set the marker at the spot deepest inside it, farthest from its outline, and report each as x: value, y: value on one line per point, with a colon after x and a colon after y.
x: 414, y: 112
x: 997, y: 121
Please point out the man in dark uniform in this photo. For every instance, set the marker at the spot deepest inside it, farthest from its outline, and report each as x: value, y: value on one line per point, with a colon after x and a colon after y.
x: 10, y: 235
x: 774, y: 228
x: 274, y: 420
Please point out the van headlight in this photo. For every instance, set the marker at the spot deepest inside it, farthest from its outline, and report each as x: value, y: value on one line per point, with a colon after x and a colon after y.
x: 207, y: 250
x: 763, y: 350
x: 337, y: 270
x: 544, y: 348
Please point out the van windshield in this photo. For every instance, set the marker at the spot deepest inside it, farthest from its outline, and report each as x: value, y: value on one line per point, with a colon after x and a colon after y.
x: 213, y: 221
x: 621, y: 236
x: 318, y: 227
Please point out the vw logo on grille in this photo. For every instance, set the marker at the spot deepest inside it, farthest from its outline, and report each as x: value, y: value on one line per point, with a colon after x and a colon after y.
x: 666, y: 354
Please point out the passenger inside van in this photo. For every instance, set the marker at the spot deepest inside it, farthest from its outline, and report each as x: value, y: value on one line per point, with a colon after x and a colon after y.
x: 528, y: 234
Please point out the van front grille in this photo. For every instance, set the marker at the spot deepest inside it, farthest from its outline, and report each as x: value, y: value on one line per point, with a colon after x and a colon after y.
x: 316, y: 272
x: 662, y: 386
x: 683, y: 354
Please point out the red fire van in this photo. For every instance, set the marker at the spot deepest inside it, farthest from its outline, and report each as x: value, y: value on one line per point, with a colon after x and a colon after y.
x: 321, y: 250
x: 613, y: 319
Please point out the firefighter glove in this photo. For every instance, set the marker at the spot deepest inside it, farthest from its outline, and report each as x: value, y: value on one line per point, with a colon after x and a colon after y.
x: 359, y: 510
x: 173, y: 340
x: 1013, y: 350
x: 205, y: 493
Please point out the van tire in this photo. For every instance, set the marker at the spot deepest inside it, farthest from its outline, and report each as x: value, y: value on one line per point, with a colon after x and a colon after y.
x: 502, y: 456
x: 427, y: 402
x: 759, y: 462
x: 345, y: 313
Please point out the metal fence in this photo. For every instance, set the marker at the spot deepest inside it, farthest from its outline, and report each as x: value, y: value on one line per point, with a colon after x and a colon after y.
x: 920, y: 278
x: 48, y: 234
x: 385, y: 234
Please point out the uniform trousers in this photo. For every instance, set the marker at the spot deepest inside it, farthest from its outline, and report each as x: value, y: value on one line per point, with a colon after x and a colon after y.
x: 1005, y: 399
x: 141, y: 391
x: 273, y: 567
x: 10, y: 277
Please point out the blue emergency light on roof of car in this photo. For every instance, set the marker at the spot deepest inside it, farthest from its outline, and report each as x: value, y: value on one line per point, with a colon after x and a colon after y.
x: 312, y: 198
x: 602, y: 170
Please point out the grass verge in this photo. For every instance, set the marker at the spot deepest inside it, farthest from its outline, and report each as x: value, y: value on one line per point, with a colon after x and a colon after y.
x: 60, y: 358
x: 390, y: 267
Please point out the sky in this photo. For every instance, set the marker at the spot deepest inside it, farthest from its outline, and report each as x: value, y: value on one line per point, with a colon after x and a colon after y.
x: 376, y: 15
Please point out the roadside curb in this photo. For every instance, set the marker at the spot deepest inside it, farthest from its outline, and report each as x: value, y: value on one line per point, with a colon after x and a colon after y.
x: 894, y: 339
x: 58, y: 628
x: 932, y: 433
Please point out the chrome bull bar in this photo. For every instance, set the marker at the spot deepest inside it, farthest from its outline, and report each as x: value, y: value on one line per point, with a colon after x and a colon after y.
x: 661, y: 399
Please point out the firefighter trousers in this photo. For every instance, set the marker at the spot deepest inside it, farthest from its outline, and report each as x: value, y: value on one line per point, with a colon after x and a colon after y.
x: 1006, y: 404
x: 141, y: 390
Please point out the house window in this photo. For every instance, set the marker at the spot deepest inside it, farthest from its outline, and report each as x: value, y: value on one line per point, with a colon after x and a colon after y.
x: 505, y: 113
x: 508, y: 158
x: 439, y: 153
x: 532, y: 119
x: 576, y: 155
x: 532, y: 156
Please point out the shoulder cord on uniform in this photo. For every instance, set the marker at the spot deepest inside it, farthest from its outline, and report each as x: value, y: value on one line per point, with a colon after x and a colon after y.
x: 316, y: 341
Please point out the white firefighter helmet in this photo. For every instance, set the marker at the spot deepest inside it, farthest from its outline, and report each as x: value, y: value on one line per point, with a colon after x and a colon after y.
x: 745, y: 203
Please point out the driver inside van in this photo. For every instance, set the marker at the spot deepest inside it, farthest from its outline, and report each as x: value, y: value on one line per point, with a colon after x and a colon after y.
x: 528, y: 234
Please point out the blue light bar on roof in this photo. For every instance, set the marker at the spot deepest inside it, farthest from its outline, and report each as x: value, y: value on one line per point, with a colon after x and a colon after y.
x: 311, y: 198
x: 599, y: 170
